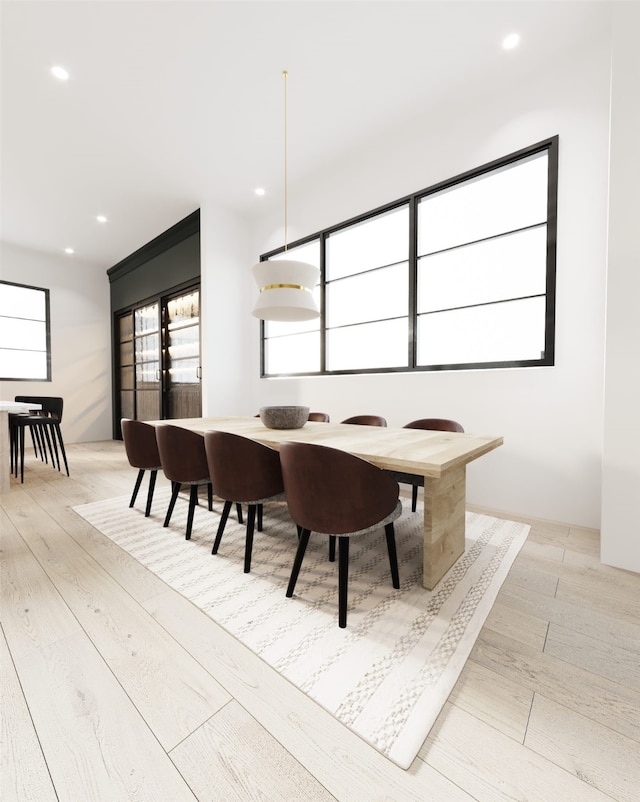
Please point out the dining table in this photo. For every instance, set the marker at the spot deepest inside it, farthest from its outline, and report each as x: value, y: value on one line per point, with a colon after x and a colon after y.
x: 440, y: 457
x: 7, y: 407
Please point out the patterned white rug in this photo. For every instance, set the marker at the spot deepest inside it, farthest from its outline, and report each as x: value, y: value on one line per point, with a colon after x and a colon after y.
x: 388, y: 674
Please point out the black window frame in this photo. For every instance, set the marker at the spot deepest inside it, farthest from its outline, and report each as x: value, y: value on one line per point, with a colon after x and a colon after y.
x: 547, y: 359
x: 47, y: 329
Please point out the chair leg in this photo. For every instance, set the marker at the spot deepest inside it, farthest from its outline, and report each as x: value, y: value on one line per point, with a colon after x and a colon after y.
x: 393, y: 555
x: 21, y: 456
x: 332, y: 548
x: 343, y: 577
x: 136, y: 487
x: 58, y: 432
x: 248, y: 545
x: 221, y: 526
x: 260, y: 517
x: 174, y: 495
x: 239, y: 512
x: 210, y: 497
x: 302, y: 547
x: 152, y: 484
x: 414, y: 497
x: 44, y: 430
x: 193, y: 503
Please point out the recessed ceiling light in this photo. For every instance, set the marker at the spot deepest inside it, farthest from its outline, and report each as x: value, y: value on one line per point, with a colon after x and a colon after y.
x: 60, y: 73
x: 101, y: 218
x: 259, y: 191
x: 69, y: 250
x: 511, y: 41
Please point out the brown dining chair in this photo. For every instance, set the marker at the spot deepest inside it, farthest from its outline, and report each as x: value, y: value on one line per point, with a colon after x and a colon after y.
x: 183, y: 461
x: 245, y: 472
x: 323, y: 417
x: 366, y: 420
x: 434, y: 424
x: 141, y: 448
x: 332, y: 492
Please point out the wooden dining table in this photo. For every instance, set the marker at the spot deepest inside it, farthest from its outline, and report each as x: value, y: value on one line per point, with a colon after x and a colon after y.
x: 7, y: 407
x: 440, y: 457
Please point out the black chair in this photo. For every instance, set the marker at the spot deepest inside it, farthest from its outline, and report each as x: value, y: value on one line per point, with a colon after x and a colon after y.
x: 141, y: 448
x: 44, y: 426
x: 245, y: 472
x: 332, y: 492
x: 434, y: 424
x: 366, y: 420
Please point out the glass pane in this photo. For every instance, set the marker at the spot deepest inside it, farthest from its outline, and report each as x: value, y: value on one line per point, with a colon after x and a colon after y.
x: 185, y: 309
x: 148, y: 373
x: 23, y: 364
x: 297, y: 353
x: 23, y: 302
x: 504, y: 332
x: 372, y: 345
x: 147, y: 348
x: 504, y: 200
x: 29, y: 335
x: 126, y: 353
x: 184, y: 342
x: 125, y: 327
x: 310, y: 253
x: 376, y: 242
x: 511, y: 266
x: 374, y: 295
x: 126, y: 378
x: 184, y: 371
x: 147, y: 319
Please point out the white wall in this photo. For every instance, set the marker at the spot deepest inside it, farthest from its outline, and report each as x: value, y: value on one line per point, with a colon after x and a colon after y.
x: 551, y: 418
x: 80, y: 339
x: 229, y: 341
x: 620, y: 542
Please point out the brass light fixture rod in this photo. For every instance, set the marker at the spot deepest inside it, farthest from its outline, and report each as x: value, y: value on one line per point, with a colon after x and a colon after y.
x: 284, y: 76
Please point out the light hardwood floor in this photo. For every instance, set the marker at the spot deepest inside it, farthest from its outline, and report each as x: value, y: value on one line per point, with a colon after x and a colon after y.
x: 116, y: 688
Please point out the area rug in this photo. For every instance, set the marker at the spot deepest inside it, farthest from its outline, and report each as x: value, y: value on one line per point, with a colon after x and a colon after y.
x: 388, y: 674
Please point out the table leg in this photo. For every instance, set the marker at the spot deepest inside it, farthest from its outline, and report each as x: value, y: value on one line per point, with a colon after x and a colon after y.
x: 444, y: 511
x: 4, y: 451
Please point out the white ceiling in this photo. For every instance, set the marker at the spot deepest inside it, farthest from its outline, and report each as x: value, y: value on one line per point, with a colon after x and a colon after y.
x: 173, y: 102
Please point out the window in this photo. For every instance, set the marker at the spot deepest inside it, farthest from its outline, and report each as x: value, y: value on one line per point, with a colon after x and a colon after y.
x: 457, y: 276
x: 25, y: 352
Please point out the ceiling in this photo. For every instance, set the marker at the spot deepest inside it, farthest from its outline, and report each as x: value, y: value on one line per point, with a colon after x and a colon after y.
x: 172, y: 102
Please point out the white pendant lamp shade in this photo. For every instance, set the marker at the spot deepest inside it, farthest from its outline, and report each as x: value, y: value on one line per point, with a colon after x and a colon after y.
x: 286, y: 290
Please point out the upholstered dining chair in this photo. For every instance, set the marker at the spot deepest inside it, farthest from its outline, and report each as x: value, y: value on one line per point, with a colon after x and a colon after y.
x: 366, y: 420
x: 434, y: 424
x: 245, y: 472
x: 332, y: 492
x: 183, y: 461
x: 141, y: 448
x: 323, y: 417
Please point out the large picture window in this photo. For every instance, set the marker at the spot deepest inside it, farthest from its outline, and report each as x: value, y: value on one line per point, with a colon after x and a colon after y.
x: 24, y: 333
x: 456, y: 276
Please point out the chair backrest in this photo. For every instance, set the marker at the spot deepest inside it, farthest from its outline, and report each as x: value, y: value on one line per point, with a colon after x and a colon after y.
x: 140, y: 444
x: 367, y: 420
x: 242, y: 469
x: 323, y: 417
x: 51, y: 405
x: 332, y: 491
x: 436, y: 424
x: 182, y: 454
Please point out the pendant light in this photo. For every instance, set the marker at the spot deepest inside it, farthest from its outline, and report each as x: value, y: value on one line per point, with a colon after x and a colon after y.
x: 286, y: 285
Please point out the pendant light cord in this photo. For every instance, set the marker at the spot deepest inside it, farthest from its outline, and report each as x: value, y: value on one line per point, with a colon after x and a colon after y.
x: 284, y: 75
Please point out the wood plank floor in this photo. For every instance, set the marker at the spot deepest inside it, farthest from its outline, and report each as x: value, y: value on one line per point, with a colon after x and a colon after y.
x: 115, y: 688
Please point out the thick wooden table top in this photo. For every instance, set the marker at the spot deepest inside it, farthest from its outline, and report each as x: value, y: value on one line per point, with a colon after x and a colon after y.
x: 417, y: 451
